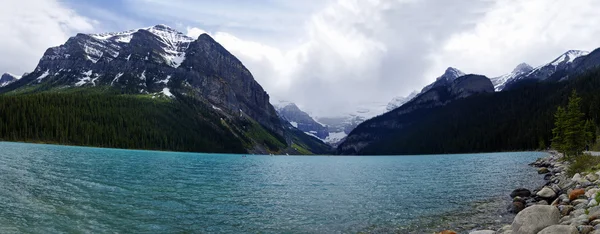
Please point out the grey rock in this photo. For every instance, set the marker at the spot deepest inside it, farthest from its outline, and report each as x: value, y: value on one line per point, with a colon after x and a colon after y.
x: 483, y: 232
x: 565, y: 209
x: 535, y: 218
x: 585, y: 229
x: 520, y: 192
x: 543, y: 170
x: 591, y: 177
x: 579, y: 201
x: 546, y: 193
x: 595, y: 222
x: 559, y: 229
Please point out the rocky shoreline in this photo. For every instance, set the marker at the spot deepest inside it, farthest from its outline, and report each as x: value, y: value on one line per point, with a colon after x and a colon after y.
x: 564, y: 205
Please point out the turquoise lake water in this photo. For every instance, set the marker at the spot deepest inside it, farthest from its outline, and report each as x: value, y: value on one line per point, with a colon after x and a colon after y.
x: 61, y: 189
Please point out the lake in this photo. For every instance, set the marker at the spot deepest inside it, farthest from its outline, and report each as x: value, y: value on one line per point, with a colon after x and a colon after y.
x: 53, y: 189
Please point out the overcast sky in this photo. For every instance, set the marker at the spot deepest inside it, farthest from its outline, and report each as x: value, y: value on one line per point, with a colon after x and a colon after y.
x: 328, y: 56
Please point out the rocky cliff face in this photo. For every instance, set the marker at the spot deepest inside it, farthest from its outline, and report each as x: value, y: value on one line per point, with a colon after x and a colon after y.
x: 438, y: 94
x: 302, y: 121
x: 158, y: 61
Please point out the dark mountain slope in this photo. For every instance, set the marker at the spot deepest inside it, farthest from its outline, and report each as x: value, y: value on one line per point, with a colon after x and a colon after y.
x: 205, y: 98
x: 507, y: 121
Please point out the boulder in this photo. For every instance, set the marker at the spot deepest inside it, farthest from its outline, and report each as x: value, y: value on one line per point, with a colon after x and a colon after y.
x: 546, y: 193
x: 579, y: 201
x: 520, y: 192
x: 559, y: 229
x: 591, y: 177
x: 565, y: 209
x: 535, y: 218
x: 592, y: 193
x: 543, y: 170
x: 555, y: 188
x: 595, y: 222
x: 516, y: 207
x: 447, y: 232
x: 576, y: 194
x: 576, y: 177
x: 585, y: 229
x: 594, y: 212
x: 483, y: 232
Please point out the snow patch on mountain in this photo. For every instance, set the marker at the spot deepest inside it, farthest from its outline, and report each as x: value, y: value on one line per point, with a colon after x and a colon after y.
x: 335, y: 137
x: 87, y: 77
x: 500, y: 82
x: 569, y: 57
x: 116, y: 78
x: 44, y: 75
x: 174, y: 44
x: 167, y: 92
x: 399, y: 101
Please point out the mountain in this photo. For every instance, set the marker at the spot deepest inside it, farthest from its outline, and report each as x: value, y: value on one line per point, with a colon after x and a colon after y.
x: 342, y: 124
x: 302, y: 121
x: 443, y: 91
x: 560, y: 65
x: 399, y: 101
x: 7, y: 78
x: 169, y: 68
x: 520, y: 70
x: 519, y: 119
x: 467, y: 116
x: 447, y: 78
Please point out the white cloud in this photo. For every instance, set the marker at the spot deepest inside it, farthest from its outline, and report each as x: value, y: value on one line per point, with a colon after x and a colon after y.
x: 355, y: 52
x: 332, y: 56
x: 532, y: 31
x: 30, y: 27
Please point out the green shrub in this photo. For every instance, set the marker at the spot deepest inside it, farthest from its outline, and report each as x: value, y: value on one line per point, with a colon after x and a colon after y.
x: 582, y: 163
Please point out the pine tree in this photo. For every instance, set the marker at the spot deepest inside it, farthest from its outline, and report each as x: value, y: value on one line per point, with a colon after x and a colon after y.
x: 574, y: 134
x: 558, y: 142
x: 590, y: 132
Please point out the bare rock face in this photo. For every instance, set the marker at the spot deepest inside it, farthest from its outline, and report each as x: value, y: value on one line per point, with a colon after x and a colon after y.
x: 469, y: 85
x: 535, y: 218
x: 559, y: 229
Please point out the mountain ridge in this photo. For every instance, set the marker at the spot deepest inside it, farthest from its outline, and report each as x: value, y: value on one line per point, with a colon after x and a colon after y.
x: 161, y: 63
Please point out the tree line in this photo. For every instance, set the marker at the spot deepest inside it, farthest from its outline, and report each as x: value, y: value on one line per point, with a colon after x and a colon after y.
x: 115, y: 121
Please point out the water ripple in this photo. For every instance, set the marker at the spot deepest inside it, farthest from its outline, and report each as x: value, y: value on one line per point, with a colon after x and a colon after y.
x: 57, y: 189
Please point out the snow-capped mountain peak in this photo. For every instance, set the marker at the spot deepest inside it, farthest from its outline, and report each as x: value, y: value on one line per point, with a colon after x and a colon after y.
x: 451, y: 74
x: 399, y: 101
x: 500, y: 82
x: 522, y: 68
x: 174, y: 43
x: 569, y: 57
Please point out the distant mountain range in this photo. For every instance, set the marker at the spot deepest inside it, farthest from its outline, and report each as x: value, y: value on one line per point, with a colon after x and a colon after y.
x: 383, y: 134
x: 156, y: 88
x: 165, y: 65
